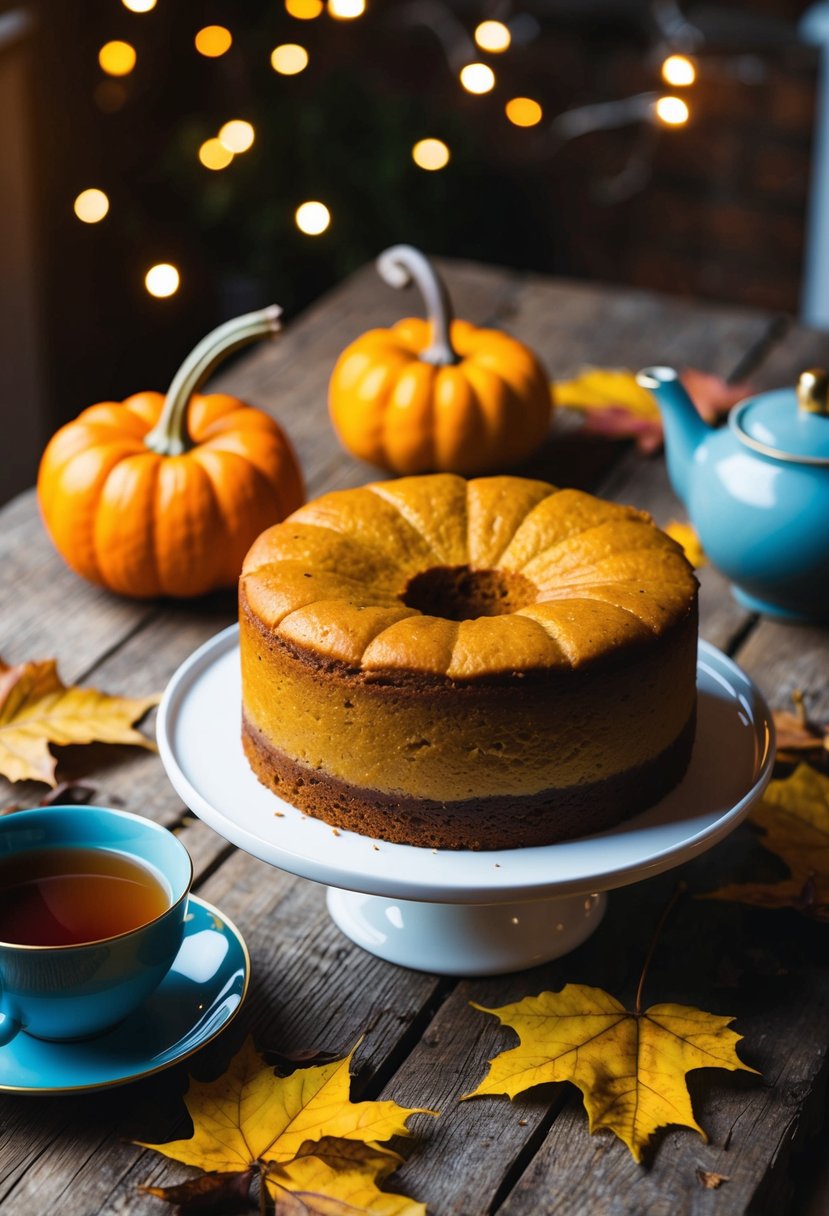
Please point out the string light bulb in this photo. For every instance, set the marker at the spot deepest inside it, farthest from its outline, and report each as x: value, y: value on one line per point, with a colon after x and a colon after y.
x: 237, y: 135
x: 213, y: 41
x: 493, y: 36
x: 523, y: 112
x: 289, y: 59
x: 477, y: 78
x: 91, y: 206
x: 117, y: 58
x: 672, y: 111
x: 162, y: 280
x: 346, y: 10
x: 679, y: 71
x: 139, y: 6
x: 303, y: 10
x: 213, y: 154
x: 430, y: 154
x: 312, y: 218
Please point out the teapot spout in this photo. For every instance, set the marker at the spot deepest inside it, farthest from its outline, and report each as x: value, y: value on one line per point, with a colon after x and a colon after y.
x: 685, y: 430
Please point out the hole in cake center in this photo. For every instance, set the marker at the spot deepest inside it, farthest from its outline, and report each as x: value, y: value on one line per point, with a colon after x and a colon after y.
x: 458, y: 593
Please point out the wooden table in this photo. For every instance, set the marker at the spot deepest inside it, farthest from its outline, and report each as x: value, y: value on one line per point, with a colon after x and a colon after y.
x: 422, y: 1043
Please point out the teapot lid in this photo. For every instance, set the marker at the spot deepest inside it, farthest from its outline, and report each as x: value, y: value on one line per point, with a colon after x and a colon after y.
x: 788, y: 424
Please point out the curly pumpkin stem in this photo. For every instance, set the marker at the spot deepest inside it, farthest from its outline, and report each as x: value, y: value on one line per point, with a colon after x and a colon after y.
x: 169, y: 437
x: 403, y: 264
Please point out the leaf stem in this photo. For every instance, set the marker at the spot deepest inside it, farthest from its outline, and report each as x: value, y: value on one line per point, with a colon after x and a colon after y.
x: 680, y: 889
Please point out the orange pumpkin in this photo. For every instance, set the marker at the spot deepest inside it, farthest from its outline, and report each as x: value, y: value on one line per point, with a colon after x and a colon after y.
x: 437, y: 395
x: 164, y: 495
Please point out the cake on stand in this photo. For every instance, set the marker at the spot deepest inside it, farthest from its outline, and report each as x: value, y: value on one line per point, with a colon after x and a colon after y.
x: 455, y: 912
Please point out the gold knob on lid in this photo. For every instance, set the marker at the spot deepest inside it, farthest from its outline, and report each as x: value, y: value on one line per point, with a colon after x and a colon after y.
x: 813, y: 391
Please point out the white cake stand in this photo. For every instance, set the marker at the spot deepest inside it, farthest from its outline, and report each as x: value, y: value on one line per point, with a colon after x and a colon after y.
x: 441, y: 910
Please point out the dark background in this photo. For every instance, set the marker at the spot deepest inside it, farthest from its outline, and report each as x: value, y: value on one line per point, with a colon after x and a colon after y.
x: 714, y: 209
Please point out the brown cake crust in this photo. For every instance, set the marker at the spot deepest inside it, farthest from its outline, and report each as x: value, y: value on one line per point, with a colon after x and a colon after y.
x: 501, y: 822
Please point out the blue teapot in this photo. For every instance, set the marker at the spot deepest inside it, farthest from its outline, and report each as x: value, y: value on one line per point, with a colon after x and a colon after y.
x: 757, y: 490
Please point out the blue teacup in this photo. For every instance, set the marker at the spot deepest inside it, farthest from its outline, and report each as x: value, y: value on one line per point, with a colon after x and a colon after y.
x: 79, y: 990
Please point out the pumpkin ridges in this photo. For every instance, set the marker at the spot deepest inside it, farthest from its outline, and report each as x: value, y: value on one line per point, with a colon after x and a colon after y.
x: 361, y: 422
x: 124, y: 528
x: 146, y: 407
x: 247, y: 502
x: 460, y: 426
x: 69, y: 491
x: 188, y: 531
x: 407, y: 423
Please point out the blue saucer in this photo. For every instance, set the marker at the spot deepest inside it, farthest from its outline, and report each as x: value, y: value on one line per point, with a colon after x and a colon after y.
x: 198, y: 997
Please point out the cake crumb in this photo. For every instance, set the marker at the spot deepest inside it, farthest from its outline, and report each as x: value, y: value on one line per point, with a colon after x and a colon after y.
x: 497, y: 865
x: 434, y: 850
x: 522, y: 1122
x: 336, y: 831
x: 279, y: 814
x: 376, y: 848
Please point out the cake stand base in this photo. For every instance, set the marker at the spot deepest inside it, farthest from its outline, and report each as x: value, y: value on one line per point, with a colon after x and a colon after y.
x: 466, y: 939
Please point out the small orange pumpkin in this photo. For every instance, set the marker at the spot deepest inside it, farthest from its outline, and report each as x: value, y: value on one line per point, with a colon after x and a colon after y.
x: 164, y: 495
x: 438, y: 395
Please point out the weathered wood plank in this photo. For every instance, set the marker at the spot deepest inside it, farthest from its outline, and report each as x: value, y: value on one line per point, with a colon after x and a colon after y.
x: 571, y: 323
x: 45, y: 609
x: 313, y: 988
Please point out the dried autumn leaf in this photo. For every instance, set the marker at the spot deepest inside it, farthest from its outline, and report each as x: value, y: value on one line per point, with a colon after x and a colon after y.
x: 338, y: 1178
x: 630, y: 1067
x: 249, y: 1118
x: 711, y: 1181
x: 617, y: 407
x: 218, y: 1194
x: 685, y: 535
x: 38, y: 709
x: 796, y: 734
x: 794, y: 818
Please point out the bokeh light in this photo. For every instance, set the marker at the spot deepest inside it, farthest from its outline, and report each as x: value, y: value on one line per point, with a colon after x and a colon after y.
x: 237, y: 135
x: 91, y: 205
x: 289, y: 59
x: 303, y: 10
x: 312, y: 218
x: 346, y: 10
x: 117, y: 58
x: 213, y: 154
x: 523, y: 111
x: 430, y: 154
x: 672, y: 111
x: 162, y: 280
x: 213, y: 41
x: 679, y: 71
x: 493, y: 36
x: 477, y: 78
x: 139, y: 6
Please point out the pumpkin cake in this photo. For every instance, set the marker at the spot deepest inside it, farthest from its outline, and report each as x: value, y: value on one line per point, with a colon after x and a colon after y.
x: 476, y: 664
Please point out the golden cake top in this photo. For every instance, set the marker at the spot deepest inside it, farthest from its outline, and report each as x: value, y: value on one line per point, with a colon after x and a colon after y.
x: 448, y: 577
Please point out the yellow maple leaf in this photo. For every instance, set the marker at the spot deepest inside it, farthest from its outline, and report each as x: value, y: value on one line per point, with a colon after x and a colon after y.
x: 685, y: 535
x: 794, y: 818
x: 338, y: 1178
x: 37, y: 708
x: 251, y: 1117
x: 630, y: 1067
x: 597, y: 388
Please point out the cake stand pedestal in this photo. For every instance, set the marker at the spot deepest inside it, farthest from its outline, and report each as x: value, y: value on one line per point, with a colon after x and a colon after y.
x: 455, y: 912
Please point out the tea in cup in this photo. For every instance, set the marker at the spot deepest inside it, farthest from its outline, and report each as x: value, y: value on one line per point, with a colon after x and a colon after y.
x: 92, y: 909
